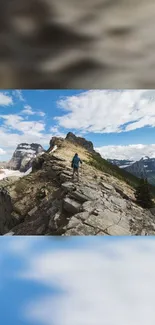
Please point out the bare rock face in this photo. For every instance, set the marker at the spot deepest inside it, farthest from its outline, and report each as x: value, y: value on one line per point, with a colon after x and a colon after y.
x: 88, y: 145
x: 6, y: 208
x: 24, y: 155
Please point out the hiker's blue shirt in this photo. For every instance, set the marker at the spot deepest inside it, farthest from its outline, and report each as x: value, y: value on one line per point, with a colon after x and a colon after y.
x: 76, y: 160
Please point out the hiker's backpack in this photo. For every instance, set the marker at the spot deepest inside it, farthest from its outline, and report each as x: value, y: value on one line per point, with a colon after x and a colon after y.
x: 75, y: 162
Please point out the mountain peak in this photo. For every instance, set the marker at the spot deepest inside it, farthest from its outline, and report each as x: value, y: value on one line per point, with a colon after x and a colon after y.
x: 145, y: 158
x: 23, y: 156
x: 80, y: 141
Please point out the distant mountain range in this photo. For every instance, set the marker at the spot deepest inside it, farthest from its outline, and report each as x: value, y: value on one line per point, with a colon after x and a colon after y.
x: 145, y: 167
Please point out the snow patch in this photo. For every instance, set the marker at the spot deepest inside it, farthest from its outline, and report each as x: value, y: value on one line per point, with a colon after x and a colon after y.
x: 9, y: 173
x: 40, y: 153
x: 28, y: 171
x: 124, y: 166
x: 26, y: 150
x: 55, y: 148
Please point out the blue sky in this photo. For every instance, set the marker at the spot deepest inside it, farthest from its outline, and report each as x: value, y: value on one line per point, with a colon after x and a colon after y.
x: 120, y: 123
x: 77, y: 280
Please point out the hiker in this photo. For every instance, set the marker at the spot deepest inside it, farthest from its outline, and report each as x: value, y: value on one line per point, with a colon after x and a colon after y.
x: 75, y: 165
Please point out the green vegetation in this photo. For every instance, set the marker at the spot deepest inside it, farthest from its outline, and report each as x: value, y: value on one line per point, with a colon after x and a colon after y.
x: 103, y: 165
x: 143, y: 195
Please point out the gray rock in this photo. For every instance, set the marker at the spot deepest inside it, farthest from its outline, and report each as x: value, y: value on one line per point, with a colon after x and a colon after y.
x: 118, y: 201
x: 73, y: 223
x: 90, y: 193
x: 152, y: 210
x: 117, y: 230
x: 64, y: 177
x: 98, y: 222
x: 83, y: 216
x: 68, y: 186
x: 79, y: 197
x: 107, y: 186
x: 104, y: 220
x: 71, y: 206
x: 16, y: 218
x: 32, y: 212
x: 52, y: 211
x: 52, y: 224
x: 41, y: 230
x: 89, y: 206
x: 81, y: 230
x: 120, y: 191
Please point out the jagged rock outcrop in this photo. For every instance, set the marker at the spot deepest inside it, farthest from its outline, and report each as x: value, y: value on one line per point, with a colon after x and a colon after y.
x: 24, y: 155
x: 6, y: 208
x: 55, y: 142
x: 88, y: 145
x: 99, y: 204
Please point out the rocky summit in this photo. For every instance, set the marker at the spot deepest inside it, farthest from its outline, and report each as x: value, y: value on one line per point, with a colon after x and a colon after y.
x: 49, y: 202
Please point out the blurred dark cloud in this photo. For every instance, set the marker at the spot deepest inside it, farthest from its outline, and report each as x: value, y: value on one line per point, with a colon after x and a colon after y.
x: 77, y: 44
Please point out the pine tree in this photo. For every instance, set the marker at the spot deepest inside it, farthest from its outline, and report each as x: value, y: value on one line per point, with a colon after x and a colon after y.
x: 143, y: 194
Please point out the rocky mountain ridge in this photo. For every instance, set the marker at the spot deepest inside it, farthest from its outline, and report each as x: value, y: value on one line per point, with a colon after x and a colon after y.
x: 49, y: 202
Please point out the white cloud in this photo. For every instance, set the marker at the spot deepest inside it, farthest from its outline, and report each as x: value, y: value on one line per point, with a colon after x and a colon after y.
x: 2, y: 152
x: 18, y: 94
x: 109, y: 281
x: 41, y: 113
x: 15, y: 129
x: 131, y: 152
x: 106, y: 111
x: 5, y: 100
x: 28, y: 110
x: 16, y: 122
x: 56, y: 132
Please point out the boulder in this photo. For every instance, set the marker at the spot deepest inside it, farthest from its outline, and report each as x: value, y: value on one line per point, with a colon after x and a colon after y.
x: 68, y: 186
x: 71, y: 206
x: 118, y: 202
x: 65, y: 178
x: 79, y: 196
x: 107, y: 186
x: 90, y: 193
